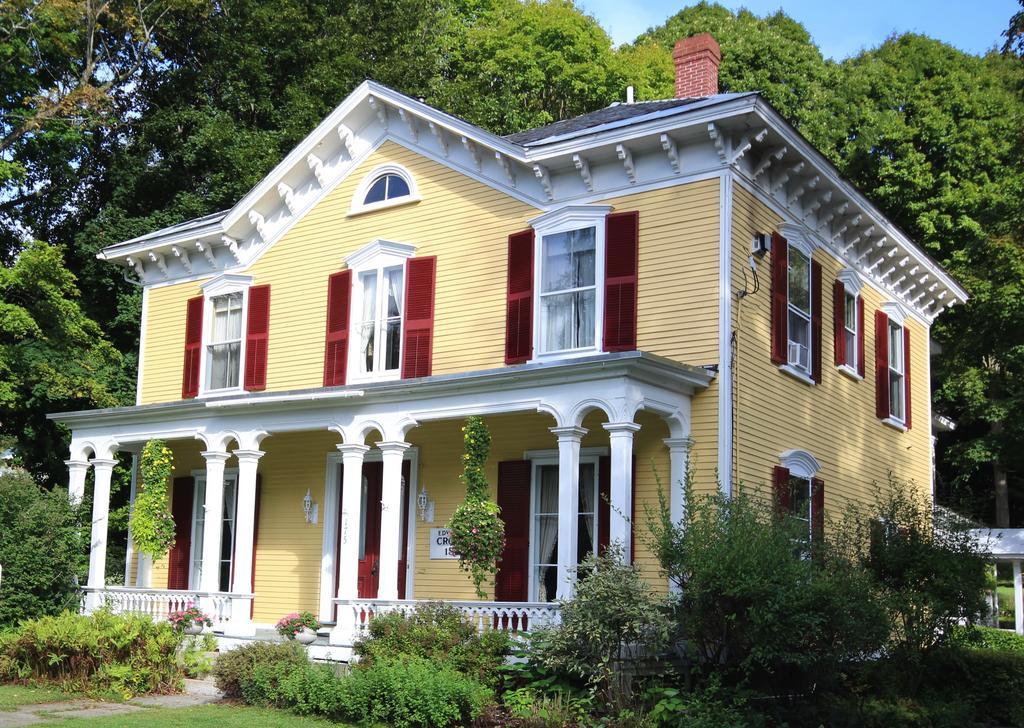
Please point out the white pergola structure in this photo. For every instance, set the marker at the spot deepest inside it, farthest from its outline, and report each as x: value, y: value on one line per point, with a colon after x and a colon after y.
x: 1006, y: 545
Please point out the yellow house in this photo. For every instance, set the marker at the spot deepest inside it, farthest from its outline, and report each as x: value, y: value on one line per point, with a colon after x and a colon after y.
x: 649, y: 288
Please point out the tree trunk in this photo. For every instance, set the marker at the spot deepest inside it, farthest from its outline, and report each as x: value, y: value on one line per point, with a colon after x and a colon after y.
x: 1001, y: 487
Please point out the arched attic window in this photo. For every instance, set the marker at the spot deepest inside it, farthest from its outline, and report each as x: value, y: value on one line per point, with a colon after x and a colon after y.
x: 385, y: 186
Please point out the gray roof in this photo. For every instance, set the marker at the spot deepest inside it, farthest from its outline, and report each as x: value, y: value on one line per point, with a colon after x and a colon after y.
x: 609, y: 114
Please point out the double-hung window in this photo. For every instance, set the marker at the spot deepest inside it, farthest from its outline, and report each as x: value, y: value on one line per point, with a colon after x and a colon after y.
x: 799, y: 313
x: 227, y: 533
x: 224, y: 348
x: 897, y: 375
x: 381, y: 292
x: 568, y: 295
x: 800, y: 502
x: 850, y: 329
x: 544, y: 542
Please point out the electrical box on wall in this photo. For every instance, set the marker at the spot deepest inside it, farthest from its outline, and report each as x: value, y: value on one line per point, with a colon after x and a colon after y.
x: 762, y: 243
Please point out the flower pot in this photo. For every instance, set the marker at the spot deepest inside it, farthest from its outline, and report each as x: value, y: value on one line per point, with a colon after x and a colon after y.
x: 194, y: 629
x: 306, y: 636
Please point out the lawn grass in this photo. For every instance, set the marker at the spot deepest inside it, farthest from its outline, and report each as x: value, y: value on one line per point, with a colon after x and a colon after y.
x: 219, y: 716
x: 14, y: 696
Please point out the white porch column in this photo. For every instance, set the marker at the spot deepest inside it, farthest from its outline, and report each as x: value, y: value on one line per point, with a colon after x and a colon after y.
x: 348, y: 538
x: 392, y: 453
x: 213, y: 522
x: 130, y: 547
x: 241, y: 624
x: 678, y: 462
x: 102, y: 471
x: 1018, y: 599
x: 76, y: 479
x: 620, y: 524
x: 568, y: 506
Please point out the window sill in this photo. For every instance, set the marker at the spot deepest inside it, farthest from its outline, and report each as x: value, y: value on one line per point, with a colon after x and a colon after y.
x: 210, y: 393
x: 850, y: 372
x: 385, y: 205
x: 391, y: 376
x: 564, y: 355
x: 798, y: 374
x: 894, y: 423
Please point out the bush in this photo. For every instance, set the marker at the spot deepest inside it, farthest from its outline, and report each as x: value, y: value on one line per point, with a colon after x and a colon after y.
x: 987, y: 638
x: 232, y: 668
x: 437, y: 632
x: 754, y: 606
x: 988, y: 683
x: 41, y: 549
x: 613, y: 622
x: 406, y: 691
x: 127, y: 654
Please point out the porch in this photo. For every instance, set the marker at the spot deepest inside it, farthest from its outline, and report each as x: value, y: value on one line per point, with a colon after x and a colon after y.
x: 283, y: 517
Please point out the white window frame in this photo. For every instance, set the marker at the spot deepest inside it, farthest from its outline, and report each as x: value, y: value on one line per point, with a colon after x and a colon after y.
x: 588, y: 455
x: 377, y: 256
x: 803, y: 466
x: 852, y: 285
x: 797, y: 240
x: 223, y: 285
x: 199, y: 477
x: 807, y: 316
x: 359, y: 207
x: 567, y: 219
x: 897, y: 318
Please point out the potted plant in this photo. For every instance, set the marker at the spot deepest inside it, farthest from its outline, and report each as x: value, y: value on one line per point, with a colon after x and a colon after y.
x: 298, y: 626
x: 189, y: 621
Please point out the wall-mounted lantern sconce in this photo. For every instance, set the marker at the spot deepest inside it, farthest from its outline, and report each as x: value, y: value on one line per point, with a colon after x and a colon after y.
x: 310, y: 509
x: 425, y: 506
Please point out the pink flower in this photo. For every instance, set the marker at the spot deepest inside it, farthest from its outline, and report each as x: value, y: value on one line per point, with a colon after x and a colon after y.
x: 474, y: 530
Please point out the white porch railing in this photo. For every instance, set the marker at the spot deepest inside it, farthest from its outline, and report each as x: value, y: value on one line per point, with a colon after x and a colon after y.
x: 159, y: 603
x: 508, y: 616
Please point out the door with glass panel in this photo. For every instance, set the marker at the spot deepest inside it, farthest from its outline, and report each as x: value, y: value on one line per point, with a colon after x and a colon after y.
x: 227, y: 533
x: 380, y: 320
x: 544, y: 540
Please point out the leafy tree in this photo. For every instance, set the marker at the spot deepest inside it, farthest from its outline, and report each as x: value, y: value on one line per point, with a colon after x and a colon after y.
x: 52, y: 357
x: 1015, y: 33
x: 41, y: 549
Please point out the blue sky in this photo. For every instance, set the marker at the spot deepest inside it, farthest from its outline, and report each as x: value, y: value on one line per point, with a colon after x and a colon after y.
x: 839, y: 29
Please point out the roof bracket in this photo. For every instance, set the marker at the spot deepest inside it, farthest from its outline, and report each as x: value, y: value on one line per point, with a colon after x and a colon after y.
x: 474, y: 152
x: 208, y: 252
x: 410, y: 121
x: 720, y: 142
x: 746, y: 144
x: 182, y: 256
x: 232, y: 245
x: 260, y: 223
x: 288, y: 195
x: 671, y: 151
x: 623, y: 153
x: 348, y: 139
x: 541, y: 173
x: 317, y: 165
x: 583, y: 166
x: 379, y: 108
x: 506, y: 165
x: 158, y: 258
x: 438, y: 133
x: 766, y: 161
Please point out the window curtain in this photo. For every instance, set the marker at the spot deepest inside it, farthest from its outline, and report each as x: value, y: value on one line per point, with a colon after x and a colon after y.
x: 547, y: 529
x: 587, y: 506
x: 369, y: 320
x: 395, y: 292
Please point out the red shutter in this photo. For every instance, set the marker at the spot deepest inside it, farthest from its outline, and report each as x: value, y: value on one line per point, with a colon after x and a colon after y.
x: 780, y: 487
x: 881, y: 365
x: 816, y: 327
x: 861, y: 335
x: 512, y: 580
x: 178, y: 566
x: 622, y: 248
x: 339, y: 299
x: 193, y: 347
x: 519, y: 308
x: 604, y: 498
x: 839, y: 321
x: 418, y: 327
x: 907, y: 419
x: 817, y: 508
x: 780, y: 298
x: 257, y: 332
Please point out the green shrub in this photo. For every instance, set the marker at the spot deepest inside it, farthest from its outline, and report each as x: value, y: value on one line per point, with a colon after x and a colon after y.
x: 613, y: 622
x: 413, y: 692
x: 709, y: 707
x: 989, y: 683
x: 42, y: 549
x: 988, y: 638
x: 437, y: 632
x: 127, y: 654
x: 233, y: 667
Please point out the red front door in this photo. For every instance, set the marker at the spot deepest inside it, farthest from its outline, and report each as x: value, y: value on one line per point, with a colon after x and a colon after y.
x: 369, y: 538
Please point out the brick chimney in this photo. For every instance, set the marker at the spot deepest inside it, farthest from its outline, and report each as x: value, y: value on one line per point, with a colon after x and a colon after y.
x: 697, y: 60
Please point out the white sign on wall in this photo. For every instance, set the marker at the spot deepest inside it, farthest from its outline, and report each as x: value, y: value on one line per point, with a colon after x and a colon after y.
x: 441, y: 544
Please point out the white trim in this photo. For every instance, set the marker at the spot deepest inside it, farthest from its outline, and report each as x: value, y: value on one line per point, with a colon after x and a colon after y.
x: 142, y: 344
x: 585, y: 452
x: 377, y: 257
x: 931, y: 439
x: 797, y: 237
x: 223, y: 285
x: 725, y: 327
x: 388, y: 251
x: 852, y: 280
x: 799, y: 463
x: 130, y: 546
x: 849, y: 371
x: 199, y: 474
x: 897, y: 312
x: 332, y: 505
x: 561, y: 220
x: 798, y: 374
x: 358, y: 207
x: 895, y: 424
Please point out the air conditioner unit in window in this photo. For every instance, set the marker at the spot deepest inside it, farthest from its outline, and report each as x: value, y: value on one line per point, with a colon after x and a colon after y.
x: 762, y: 244
x: 796, y: 354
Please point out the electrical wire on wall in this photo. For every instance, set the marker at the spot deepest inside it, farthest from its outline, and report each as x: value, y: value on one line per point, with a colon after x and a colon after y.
x: 734, y: 358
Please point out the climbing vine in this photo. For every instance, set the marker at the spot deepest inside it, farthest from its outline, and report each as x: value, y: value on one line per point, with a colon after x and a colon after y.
x: 151, y: 522
x: 477, y: 531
